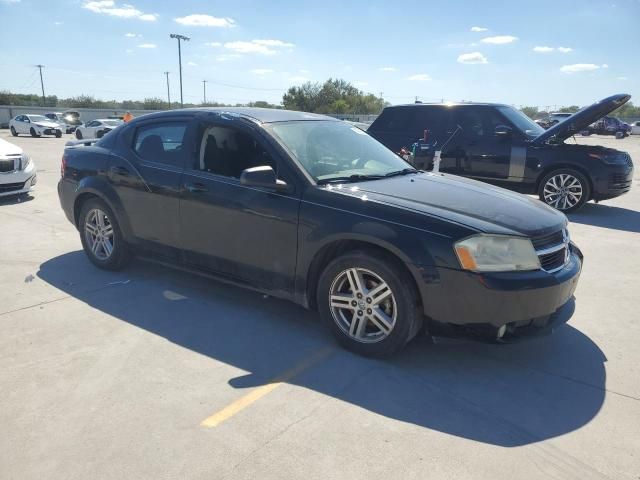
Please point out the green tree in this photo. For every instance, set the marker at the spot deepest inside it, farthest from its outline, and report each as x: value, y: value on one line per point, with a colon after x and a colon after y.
x: 531, y: 112
x: 333, y: 96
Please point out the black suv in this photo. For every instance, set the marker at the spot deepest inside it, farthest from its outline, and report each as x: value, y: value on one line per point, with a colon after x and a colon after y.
x: 501, y: 145
x: 311, y: 209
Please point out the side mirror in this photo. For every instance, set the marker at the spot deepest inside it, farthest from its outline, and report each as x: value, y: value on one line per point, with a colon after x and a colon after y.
x: 264, y: 177
x: 503, y: 131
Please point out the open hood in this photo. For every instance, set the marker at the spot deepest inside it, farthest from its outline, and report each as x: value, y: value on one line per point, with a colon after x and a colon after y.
x: 583, y: 118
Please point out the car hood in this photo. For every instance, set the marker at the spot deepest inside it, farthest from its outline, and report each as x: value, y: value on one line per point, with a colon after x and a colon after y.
x: 583, y: 118
x: 7, y: 148
x: 48, y: 124
x: 478, y: 205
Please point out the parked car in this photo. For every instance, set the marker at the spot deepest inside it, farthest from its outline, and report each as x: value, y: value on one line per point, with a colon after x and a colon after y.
x: 557, y: 117
x: 97, y: 128
x: 35, y: 125
x: 635, y: 128
x: 500, y: 145
x: 311, y: 209
x: 59, y: 118
x: 17, y: 171
x: 609, y: 126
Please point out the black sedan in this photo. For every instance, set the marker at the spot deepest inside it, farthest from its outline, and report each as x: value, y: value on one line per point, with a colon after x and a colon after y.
x: 311, y: 209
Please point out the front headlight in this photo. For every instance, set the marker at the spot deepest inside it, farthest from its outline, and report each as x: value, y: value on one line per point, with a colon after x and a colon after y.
x: 496, y: 253
x: 24, y: 161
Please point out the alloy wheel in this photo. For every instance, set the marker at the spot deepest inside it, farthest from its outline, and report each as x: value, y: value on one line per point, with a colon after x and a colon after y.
x: 563, y: 191
x: 363, y: 305
x: 98, y: 232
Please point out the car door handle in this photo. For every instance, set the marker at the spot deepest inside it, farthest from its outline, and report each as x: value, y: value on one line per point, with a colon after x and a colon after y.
x: 122, y: 171
x: 197, y: 188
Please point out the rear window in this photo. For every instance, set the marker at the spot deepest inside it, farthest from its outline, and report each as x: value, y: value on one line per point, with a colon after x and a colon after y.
x: 396, y: 119
x: 161, y: 142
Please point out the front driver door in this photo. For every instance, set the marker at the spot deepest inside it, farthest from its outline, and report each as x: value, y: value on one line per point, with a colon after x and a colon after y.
x: 247, y: 234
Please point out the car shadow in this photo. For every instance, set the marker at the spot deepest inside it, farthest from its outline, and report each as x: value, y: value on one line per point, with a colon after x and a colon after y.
x: 15, y: 199
x: 507, y: 395
x: 606, y: 216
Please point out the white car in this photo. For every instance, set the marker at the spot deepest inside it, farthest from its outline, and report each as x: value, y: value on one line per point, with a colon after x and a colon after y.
x: 97, y: 128
x: 17, y: 171
x: 34, y: 125
x: 63, y: 121
x: 635, y: 128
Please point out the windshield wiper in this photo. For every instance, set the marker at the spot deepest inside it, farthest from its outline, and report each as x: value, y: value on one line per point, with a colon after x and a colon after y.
x: 350, y: 179
x: 404, y: 171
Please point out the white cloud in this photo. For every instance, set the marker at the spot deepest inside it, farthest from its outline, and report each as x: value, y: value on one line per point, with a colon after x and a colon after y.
x: 213, y: 44
x: 604, y: 65
x: 580, y: 67
x: 388, y: 69
x: 565, y: 49
x: 132, y: 35
x: 274, y: 43
x: 298, y: 79
x: 479, y: 29
x: 499, y: 39
x: 192, y: 64
x: 57, y: 24
x: 263, y: 47
x: 200, y: 20
x: 472, y: 58
x: 543, y: 49
x: 419, y: 77
x: 261, y: 71
x: 109, y: 7
x: 147, y: 45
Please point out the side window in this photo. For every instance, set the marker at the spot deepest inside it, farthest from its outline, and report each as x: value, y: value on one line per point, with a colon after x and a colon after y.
x: 228, y: 151
x: 395, y: 120
x: 434, y: 119
x: 161, y: 142
x: 478, y: 122
x: 93, y: 124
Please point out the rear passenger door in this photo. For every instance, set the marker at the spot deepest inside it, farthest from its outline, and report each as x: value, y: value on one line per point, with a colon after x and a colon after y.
x: 147, y: 178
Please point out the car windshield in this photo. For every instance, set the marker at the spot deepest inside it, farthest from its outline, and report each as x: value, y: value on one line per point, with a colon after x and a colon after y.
x: 111, y: 123
x: 336, y: 151
x: 527, y: 126
x: 38, y: 118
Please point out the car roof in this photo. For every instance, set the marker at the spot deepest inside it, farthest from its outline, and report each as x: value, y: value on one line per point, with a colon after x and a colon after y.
x: 450, y: 104
x: 261, y: 115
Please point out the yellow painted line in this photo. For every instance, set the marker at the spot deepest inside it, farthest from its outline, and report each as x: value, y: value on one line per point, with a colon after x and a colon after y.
x: 259, y: 392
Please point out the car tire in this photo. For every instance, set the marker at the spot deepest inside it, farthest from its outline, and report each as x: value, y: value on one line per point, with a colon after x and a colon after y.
x: 99, y: 134
x: 58, y: 134
x: 78, y: 134
x: 33, y: 132
x: 561, y: 188
x: 384, y: 321
x: 13, y: 132
x: 97, y: 225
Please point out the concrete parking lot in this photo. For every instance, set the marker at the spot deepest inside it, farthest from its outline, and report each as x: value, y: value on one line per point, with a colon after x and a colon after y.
x: 154, y: 373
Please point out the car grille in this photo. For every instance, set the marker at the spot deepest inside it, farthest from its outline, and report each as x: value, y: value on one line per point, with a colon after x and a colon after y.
x: 11, y: 187
x: 552, y: 250
x: 7, y: 165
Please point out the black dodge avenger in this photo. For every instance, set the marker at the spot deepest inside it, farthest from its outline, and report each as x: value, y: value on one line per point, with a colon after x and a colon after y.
x: 310, y: 209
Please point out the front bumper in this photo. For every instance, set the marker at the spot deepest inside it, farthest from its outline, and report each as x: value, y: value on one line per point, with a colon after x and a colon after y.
x: 18, y: 182
x: 613, y: 182
x: 478, y: 304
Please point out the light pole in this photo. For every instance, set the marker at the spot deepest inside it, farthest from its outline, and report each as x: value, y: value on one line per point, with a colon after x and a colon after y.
x: 41, y: 83
x: 204, y: 91
x: 186, y: 39
x: 168, y: 94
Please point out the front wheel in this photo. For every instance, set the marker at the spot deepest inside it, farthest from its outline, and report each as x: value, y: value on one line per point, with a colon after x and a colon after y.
x: 101, y: 236
x: 369, y: 302
x: 33, y: 132
x: 566, y: 190
x: 78, y: 134
x: 58, y: 134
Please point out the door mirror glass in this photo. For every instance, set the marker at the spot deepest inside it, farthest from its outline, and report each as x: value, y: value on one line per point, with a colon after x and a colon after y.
x: 503, y: 131
x: 263, y: 176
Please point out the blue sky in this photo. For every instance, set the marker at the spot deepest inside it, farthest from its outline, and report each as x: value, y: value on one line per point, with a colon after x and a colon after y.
x: 523, y: 53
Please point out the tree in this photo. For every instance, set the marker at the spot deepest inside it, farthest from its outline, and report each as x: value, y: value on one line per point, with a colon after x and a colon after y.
x: 571, y: 109
x: 333, y: 96
x: 531, y: 112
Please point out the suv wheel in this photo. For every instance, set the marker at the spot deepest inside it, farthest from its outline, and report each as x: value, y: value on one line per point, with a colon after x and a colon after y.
x: 101, y: 236
x: 13, y: 132
x: 369, y: 303
x: 566, y: 190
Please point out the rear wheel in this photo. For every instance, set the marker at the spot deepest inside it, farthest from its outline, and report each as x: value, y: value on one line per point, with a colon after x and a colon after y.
x: 566, y: 190
x: 369, y: 302
x: 58, y: 134
x: 78, y: 134
x: 101, y: 236
x: 100, y: 134
x: 13, y: 132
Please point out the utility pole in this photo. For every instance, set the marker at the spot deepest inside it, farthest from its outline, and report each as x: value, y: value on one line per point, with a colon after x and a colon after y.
x: 168, y: 94
x: 41, y: 83
x: 186, y: 39
x: 204, y: 92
